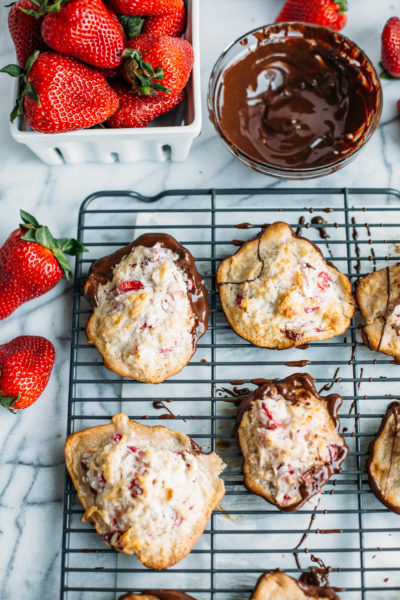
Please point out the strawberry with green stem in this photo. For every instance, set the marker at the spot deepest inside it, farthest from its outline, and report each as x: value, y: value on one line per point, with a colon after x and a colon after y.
x: 32, y: 262
x: 329, y: 13
x: 59, y: 93
x: 157, y: 63
x: 24, y: 24
x: 25, y: 367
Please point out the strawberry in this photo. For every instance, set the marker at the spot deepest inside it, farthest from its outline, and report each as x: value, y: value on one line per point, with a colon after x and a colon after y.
x: 153, y: 8
x: 87, y: 30
x: 31, y: 263
x: 61, y: 94
x: 25, y: 366
x: 25, y: 30
x: 170, y: 24
x: 329, y: 13
x: 398, y: 106
x: 157, y: 63
x: 135, y: 110
x: 391, y: 47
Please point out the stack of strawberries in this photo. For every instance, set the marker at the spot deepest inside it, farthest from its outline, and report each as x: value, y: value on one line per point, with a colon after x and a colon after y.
x: 85, y: 62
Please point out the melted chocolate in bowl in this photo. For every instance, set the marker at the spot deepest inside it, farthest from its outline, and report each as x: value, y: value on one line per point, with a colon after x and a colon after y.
x: 299, y: 97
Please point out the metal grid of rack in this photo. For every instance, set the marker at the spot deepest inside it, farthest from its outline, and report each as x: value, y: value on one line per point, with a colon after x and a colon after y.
x: 350, y: 530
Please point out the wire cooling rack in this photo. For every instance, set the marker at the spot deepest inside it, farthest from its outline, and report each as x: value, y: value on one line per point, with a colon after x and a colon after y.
x: 349, y: 530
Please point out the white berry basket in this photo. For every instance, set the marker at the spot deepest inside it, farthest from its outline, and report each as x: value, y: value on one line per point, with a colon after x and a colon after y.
x: 169, y: 136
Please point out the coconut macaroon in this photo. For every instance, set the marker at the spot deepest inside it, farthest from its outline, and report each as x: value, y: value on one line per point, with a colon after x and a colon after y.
x: 378, y: 296
x: 289, y: 439
x: 384, y: 460
x: 158, y: 595
x: 278, y: 291
x: 279, y: 586
x: 149, y: 308
x: 149, y: 491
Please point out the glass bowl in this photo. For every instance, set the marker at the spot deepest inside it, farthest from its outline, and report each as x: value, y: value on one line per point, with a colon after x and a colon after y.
x: 355, y: 70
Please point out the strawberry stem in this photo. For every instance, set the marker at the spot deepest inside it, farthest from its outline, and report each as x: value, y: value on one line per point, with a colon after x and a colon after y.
x: 342, y: 4
x: 141, y: 74
x: 26, y: 89
x: 132, y: 26
x: 59, y: 247
x: 8, y: 401
x: 43, y: 7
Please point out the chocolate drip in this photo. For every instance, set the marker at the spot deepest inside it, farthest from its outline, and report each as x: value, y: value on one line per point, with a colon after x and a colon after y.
x: 318, y: 221
x: 388, y: 291
x: 357, y: 268
x: 237, y: 242
x: 244, y: 226
x: 294, y: 389
x: 307, y: 531
x: 298, y: 363
x: 101, y: 271
x: 392, y: 410
x: 160, y: 405
x: 329, y: 386
x: 301, y: 222
x: 315, y: 583
x: 353, y: 353
x: 160, y: 595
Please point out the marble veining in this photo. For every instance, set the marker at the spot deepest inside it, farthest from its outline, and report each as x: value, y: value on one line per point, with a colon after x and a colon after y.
x: 31, y: 443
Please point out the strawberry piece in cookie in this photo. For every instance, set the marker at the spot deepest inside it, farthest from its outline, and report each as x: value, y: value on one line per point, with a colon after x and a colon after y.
x: 153, y: 501
x: 288, y: 435
x: 278, y: 291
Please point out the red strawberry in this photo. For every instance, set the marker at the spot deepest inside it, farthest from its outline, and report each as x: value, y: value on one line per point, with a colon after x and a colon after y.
x: 170, y: 24
x: 160, y: 63
x: 87, y: 30
x: 31, y: 263
x: 146, y: 7
x: 330, y: 13
x: 25, y: 366
x: 135, y: 110
x: 25, y: 30
x: 391, y: 47
x: 61, y: 94
x: 398, y: 106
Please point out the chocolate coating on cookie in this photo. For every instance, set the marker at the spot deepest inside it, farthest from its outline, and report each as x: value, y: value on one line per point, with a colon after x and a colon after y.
x: 384, y: 460
x: 297, y: 391
x: 279, y: 586
x: 101, y: 271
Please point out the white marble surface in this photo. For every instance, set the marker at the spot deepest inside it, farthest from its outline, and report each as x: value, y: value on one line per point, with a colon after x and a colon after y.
x: 31, y: 444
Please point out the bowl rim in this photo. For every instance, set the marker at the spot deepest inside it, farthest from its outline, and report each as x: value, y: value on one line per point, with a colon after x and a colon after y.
x: 216, y: 72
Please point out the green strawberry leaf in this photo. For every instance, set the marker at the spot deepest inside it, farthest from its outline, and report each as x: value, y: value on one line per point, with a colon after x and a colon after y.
x: 13, y: 70
x: 18, y: 109
x: 28, y: 219
x: 384, y: 74
x: 132, y: 26
x: 70, y: 246
x: 32, y: 93
x: 342, y: 5
x: 44, y: 237
x: 29, y: 236
x: 64, y: 264
x: 141, y: 73
x: 9, y: 401
x: 31, y: 60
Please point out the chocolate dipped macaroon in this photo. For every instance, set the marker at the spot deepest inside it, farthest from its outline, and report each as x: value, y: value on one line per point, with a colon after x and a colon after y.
x: 279, y: 586
x: 149, y: 308
x: 289, y: 438
x: 384, y: 460
x: 278, y: 291
x: 378, y: 296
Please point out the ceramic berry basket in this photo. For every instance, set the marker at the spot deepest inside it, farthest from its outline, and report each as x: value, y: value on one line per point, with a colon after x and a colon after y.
x: 171, y: 135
